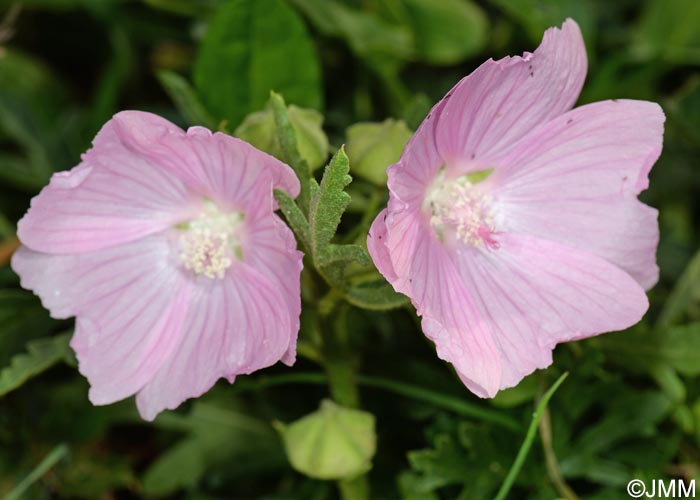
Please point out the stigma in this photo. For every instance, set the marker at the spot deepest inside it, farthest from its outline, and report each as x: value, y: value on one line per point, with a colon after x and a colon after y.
x: 461, y: 208
x: 209, y: 243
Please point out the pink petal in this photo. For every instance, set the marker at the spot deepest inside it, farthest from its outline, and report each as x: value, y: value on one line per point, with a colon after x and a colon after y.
x: 426, y: 274
x: 376, y: 246
x: 575, y: 181
x: 234, y: 326
x: 215, y: 165
x: 114, y: 196
x: 488, y: 112
x: 130, y: 306
x: 535, y: 293
x: 274, y: 254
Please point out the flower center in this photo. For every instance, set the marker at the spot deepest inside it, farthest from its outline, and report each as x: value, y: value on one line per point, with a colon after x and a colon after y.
x: 209, y: 243
x: 461, y: 207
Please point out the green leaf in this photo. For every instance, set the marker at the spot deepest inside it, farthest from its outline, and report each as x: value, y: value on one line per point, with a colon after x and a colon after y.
x: 186, y: 100
x: 189, y: 8
x: 366, y: 33
x: 180, y: 466
x: 372, y: 147
x: 538, y: 15
x: 676, y: 346
x: 41, y: 355
x: 332, y: 443
x: 244, y: 39
x: 105, y: 102
x: 295, y: 219
x: 344, y: 254
x: 448, y: 31
x: 377, y: 295
x: 259, y: 130
x: 328, y: 204
x: 684, y: 296
x: 289, y: 151
x: 669, y: 30
x: 216, y: 432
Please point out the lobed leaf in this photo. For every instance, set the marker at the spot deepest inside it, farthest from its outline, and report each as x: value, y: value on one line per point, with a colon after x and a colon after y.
x: 41, y: 355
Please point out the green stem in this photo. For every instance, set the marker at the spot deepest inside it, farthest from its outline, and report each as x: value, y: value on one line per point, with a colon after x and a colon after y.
x: 445, y: 401
x: 340, y: 367
x: 529, y: 438
x: 436, y: 399
x: 46, y: 464
x: 553, y: 469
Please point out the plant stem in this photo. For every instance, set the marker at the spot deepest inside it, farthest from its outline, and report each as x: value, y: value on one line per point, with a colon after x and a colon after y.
x: 340, y: 367
x: 46, y: 464
x: 553, y: 470
x: 527, y: 443
x: 437, y: 399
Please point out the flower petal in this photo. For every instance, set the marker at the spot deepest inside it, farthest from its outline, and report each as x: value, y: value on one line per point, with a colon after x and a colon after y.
x: 488, y: 112
x: 274, y: 254
x: 575, y: 181
x: 234, y: 326
x: 114, y: 196
x: 536, y: 293
x: 376, y: 246
x: 130, y: 307
x: 426, y: 274
x: 215, y: 165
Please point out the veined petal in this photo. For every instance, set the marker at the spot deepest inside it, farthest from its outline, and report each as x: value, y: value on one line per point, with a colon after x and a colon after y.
x: 274, y: 254
x: 488, y: 112
x: 426, y: 274
x: 575, y: 181
x: 214, y: 165
x: 130, y: 306
x: 376, y: 246
x: 233, y: 326
x: 535, y: 293
x: 114, y: 196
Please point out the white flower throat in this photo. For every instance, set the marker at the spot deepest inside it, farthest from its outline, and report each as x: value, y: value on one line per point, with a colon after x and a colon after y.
x: 209, y: 243
x: 461, y: 206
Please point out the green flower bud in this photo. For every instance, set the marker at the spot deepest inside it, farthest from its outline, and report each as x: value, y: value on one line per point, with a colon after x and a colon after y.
x: 259, y: 130
x: 332, y: 443
x: 372, y: 147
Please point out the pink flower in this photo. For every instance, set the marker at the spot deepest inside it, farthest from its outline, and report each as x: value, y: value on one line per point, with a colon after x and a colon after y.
x: 513, y: 222
x: 165, y: 247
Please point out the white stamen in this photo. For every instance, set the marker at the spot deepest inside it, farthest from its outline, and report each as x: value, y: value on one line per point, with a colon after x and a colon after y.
x: 462, y: 207
x: 208, y: 244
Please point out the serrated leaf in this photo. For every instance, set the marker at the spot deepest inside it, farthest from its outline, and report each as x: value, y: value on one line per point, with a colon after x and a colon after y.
x: 41, y: 355
x: 328, y: 204
x: 335, y: 254
x: 378, y: 296
x: 295, y: 219
x: 251, y: 48
x: 185, y: 99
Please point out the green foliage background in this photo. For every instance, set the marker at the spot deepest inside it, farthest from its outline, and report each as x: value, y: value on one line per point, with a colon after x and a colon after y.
x: 631, y: 405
